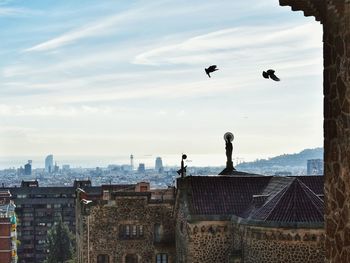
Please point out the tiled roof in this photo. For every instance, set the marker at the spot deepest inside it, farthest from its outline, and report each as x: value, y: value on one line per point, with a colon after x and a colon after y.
x: 294, y: 203
x: 216, y: 195
x: 280, y: 198
x: 314, y: 182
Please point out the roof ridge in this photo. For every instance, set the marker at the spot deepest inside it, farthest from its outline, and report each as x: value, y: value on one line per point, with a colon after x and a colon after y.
x: 273, y: 208
x: 307, y: 190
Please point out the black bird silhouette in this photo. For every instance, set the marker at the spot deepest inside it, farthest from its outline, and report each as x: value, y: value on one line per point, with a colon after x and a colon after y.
x: 210, y: 69
x: 270, y: 73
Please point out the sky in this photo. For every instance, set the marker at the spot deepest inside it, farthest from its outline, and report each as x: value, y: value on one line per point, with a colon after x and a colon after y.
x: 111, y: 78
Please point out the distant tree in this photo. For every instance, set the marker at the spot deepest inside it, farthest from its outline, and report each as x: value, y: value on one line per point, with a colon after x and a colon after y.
x: 60, y: 244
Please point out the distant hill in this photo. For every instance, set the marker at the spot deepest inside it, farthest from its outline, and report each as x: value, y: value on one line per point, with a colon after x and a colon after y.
x: 283, y: 162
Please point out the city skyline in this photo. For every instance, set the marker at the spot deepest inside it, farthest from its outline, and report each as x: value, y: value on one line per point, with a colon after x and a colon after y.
x: 86, y: 78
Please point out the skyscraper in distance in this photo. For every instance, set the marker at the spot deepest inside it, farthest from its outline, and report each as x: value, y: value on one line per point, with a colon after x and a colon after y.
x: 141, y: 168
x: 28, y: 168
x: 49, y: 164
x: 159, y: 165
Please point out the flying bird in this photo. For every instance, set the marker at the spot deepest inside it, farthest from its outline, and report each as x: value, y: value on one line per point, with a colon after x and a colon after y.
x: 210, y: 69
x: 270, y: 74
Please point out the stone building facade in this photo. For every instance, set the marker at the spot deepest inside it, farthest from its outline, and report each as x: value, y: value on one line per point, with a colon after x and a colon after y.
x: 284, y: 223
x: 249, y: 218
x: 335, y: 18
x: 236, y: 218
x: 128, y: 225
x: 269, y: 243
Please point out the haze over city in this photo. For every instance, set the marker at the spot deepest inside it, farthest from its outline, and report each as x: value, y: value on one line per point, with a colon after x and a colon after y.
x: 105, y: 78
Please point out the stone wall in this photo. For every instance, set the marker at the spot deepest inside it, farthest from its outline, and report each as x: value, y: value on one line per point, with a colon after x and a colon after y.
x: 270, y: 245
x: 336, y: 40
x: 105, y: 219
x: 202, y: 241
x: 209, y: 241
x: 181, y: 235
x: 335, y: 17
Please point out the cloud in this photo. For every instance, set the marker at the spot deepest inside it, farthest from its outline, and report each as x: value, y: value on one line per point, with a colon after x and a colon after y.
x: 9, y: 11
x: 135, y: 14
x: 57, y: 111
x: 107, y: 25
x: 239, y: 42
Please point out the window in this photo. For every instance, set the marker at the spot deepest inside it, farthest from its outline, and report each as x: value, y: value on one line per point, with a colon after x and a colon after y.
x: 162, y: 258
x: 41, y: 241
x: 39, y: 213
x: 127, y: 230
x: 131, y: 258
x: 140, y: 230
x: 134, y: 231
x: 102, y: 258
x: 130, y: 231
x: 157, y: 233
x: 27, y: 214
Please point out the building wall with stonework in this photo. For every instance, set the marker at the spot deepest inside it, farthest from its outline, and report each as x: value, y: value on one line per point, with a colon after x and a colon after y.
x: 128, y: 226
x: 181, y: 234
x: 209, y: 241
x: 335, y: 17
x: 261, y: 244
x: 200, y: 239
x: 203, y: 241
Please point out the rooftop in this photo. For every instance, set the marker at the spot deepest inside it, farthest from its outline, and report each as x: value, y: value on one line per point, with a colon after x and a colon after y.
x: 258, y: 197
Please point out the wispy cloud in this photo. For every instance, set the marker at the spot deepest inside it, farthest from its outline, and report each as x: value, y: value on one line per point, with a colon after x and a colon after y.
x: 110, y: 24
x: 53, y: 111
x: 234, y: 43
x: 94, y: 29
x: 9, y: 11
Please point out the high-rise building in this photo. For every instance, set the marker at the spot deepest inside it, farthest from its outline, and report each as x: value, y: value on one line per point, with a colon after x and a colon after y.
x: 56, y: 168
x: 315, y: 167
x: 37, y: 210
x: 49, y: 164
x: 141, y: 168
x: 28, y: 168
x: 159, y: 165
x: 8, y: 235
